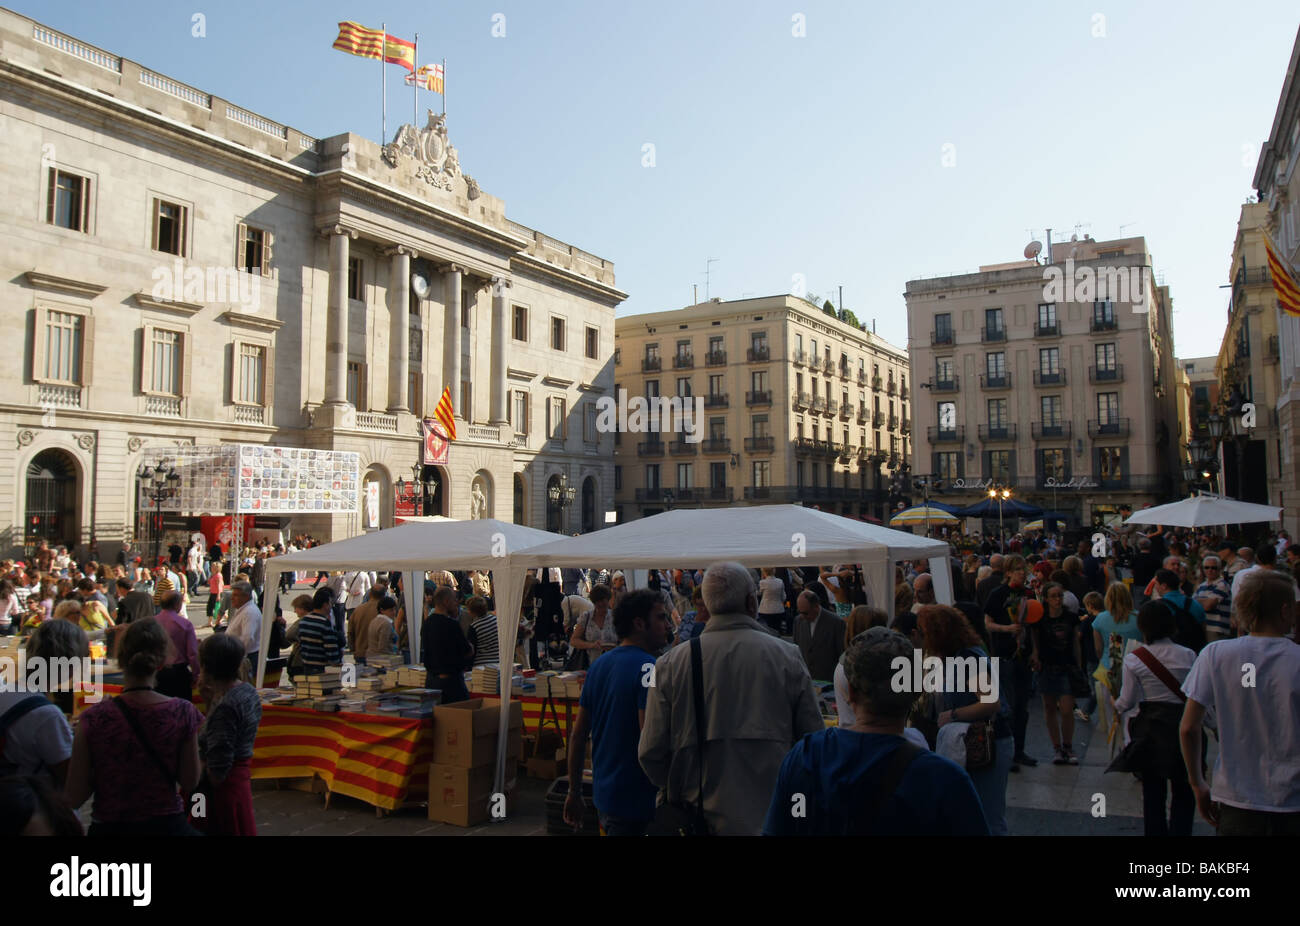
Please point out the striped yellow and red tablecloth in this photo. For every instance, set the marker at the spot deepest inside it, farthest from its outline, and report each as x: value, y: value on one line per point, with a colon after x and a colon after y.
x: 383, y: 761
x: 534, y: 709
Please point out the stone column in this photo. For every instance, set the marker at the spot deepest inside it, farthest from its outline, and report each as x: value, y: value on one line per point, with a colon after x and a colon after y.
x: 451, y: 345
x: 399, y: 348
x: 336, y: 331
x: 497, y: 417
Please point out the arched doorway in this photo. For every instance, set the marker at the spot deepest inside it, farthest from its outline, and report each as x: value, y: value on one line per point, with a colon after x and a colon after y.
x: 51, y: 512
x: 588, y: 504
x: 554, y: 511
x: 376, y: 509
x: 435, y: 502
x: 519, y: 500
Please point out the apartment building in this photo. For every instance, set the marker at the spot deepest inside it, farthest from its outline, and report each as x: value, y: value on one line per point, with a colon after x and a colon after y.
x: 181, y: 271
x: 1247, y: 369
x: 1278, y: 184
x: 799, y: 407
x: 1031, y: 377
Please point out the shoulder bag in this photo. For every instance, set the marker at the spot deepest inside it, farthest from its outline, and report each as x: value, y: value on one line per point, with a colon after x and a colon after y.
x: 899, y: 762
x: 680, y: 818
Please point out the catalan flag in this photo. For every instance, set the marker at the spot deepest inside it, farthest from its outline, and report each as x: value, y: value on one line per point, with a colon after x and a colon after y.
x: 1284, y: 284
x: 356, y: 39
x: 430, y: 77
x: 444, y: 414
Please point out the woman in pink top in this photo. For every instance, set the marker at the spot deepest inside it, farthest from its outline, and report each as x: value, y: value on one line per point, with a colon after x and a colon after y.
x: 131, y: 752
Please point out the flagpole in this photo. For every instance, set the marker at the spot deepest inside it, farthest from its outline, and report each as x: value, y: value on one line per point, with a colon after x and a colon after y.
x: 415, y: 82
x: 444, y: 89
x: 383, y: 85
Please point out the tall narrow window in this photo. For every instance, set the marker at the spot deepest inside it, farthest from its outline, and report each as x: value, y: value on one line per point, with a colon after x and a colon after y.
x: 68, y: 203
x: 252, y: 366
x: 557, y: 334
x: 354, y: 278
x: 593, y: 343
x: 169, y: 227
x: 165, y: 366
x: 253, y: 250
x: 520, y: 328
x: 63, y: 337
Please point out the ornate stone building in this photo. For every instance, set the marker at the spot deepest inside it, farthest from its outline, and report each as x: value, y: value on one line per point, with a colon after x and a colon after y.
x: 181, y: 271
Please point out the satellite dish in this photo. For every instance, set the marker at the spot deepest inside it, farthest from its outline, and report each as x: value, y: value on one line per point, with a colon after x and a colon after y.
x: 1033, y: 249
x: 419, y: 285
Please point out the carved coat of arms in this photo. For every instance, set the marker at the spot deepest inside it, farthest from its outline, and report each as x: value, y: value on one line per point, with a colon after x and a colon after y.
x: 437, y: 162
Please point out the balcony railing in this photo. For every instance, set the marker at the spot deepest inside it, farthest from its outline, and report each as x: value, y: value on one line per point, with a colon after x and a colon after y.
x: 893, y: 422
x: 1113, y: 374
x: 876, y: 383
x: 1102, y: 323
x: 758, y: 355
x: 862, y: 377
x: 760, y: 444
x: 846, y: 411
x: 53, y: 396
x: 818, y: 405
x: 991, y: 433
x: 800, y: 358
x: 891, y: 388
x: 1047, y: 329
x: 250, y: 414
x: 715, y: 445
x: 989, y: 381
x: 989, y: 334
x: 1050, y: 430
x: 683, y: 361
x: 832, y: 407
x: 758, y: 397
x: 800, y: 400
x: 864, y: 415
x: 716, y: 400
x: 651, y: 364
x: 806, y: 445
x: 845, y: 372
x: 682, y: 448
x: 941, y: 337
x: 650, y: 448
x: 902, y: 392
x: 905, y: 426
x: 832, y: 449
x: 1056, y: 378
x: 947, y: 385
x: 954, y: 435
x: 164, y: 406
x: 1111, y: 427
x: 715, y: 358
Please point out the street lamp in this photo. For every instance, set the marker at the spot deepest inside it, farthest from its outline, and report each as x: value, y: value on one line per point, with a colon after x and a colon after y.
x: 1001, y: 495
x: 424, y: 486
x: 669, y: 498
x: 924, y: 484
x: 561, y: 495
x: 161, y: 482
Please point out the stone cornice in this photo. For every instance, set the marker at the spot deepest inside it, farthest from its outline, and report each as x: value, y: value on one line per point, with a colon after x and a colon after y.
x: 521, y: 375
x: 242, y: 320
x: 556, y: 381
x: 601, y: 291
x: 39, y: 280
x: 147, y: 301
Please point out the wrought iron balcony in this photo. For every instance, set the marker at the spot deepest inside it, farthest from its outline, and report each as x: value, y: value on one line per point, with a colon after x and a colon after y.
x: 801, y: 400
x: 760, y: 444
x: 758, y: 355
x: 715, y: 445
x: 832, y: 406
x: 818, y: 405
x: 1103, y: 323
x: 993, y: 433
x: 1055, y: 378
x: 891, y: 388
x: 806, y: 445
x: 989, y: 381
x: 905, y: 426
x: 846, y: 411
x: 716, y: 400
x: 862, y: 377
x: 1047, y: 329
x: 876, y: 383
x: 800, y: 358
x: 684, y: 361
x: 1113, y: 374
x: 902, y: 392
x: 759, y: 397
x: 845, y: 372
x: 864, y: 415
x: 1111, y: 427
x: 943, y: 336
x: 682, y: 448
x: 716, y: 358
x: 893, y: 422
x: 954, y: 435
x: 828, y: 367
x: 990, y: 334
x: 651, y: 364
x: 1052, y: 429
x: 947, y: 385
x: 650, y: 448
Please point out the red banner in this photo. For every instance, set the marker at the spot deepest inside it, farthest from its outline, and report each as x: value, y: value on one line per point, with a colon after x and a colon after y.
x: 406, y: 500
x: 219, y: 529
x: 434, y: 449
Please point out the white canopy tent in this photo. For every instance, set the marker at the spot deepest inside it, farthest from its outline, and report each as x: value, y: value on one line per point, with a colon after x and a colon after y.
x: 413, y: 548
x: 1206, y: 510
x: 755, y: 536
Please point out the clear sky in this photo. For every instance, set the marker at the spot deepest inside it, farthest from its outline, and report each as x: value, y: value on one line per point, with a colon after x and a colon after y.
x: 821, y: 155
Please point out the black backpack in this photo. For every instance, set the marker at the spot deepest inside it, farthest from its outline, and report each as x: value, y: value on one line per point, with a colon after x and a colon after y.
x: 8, y: 719
x: 1190, y: 632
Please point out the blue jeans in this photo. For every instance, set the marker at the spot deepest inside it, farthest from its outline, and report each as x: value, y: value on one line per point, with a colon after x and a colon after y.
x: 617, y: 826
x: 991, y: 785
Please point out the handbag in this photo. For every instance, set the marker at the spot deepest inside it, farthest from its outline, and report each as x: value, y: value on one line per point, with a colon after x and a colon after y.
x: 970, y: 745
x: 681, y: 818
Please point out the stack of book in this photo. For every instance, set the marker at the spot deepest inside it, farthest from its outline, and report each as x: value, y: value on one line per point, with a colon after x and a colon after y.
x: 370, y: 683
x: 485, y: 680
x: 410, y: 676
x: 384, y: 661
x: 316, y: 686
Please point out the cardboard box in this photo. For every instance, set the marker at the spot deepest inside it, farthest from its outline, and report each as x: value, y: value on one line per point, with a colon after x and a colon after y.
x: 546, y: 769
x: 463, y: 796
x: 465, y: 734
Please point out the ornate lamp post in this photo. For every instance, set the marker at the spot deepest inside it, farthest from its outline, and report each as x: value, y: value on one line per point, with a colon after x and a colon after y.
x: 161, y: 482
x: 561, y: 496
x: 425, y: 486
x: 1001, y: 495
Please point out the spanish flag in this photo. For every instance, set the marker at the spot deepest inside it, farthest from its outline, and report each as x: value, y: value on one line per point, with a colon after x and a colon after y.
x: 356, y: 39
x: 444, y: 415
x: 1284, y: 284
x: 430, y: 77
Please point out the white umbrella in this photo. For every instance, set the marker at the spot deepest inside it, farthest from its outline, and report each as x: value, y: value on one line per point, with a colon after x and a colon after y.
x: 1206, y: 511
x: 922, y: 514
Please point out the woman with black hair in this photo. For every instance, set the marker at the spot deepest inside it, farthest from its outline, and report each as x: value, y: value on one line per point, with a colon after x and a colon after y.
x: 226, y: 738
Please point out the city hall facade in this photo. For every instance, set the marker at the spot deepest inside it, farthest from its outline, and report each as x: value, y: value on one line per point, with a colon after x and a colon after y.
x: 182, y: 272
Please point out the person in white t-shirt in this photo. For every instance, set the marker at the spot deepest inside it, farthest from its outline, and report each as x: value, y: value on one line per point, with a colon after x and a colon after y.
x: 1256, y: 789
x: 37, y: 737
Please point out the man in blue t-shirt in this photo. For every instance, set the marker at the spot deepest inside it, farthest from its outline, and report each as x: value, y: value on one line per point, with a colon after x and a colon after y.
x: 612, y: 710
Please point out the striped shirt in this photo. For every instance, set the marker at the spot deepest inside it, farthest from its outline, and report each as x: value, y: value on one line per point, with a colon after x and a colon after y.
x: 483, y: 636
x: 161, y: 587
x: 318, y: 643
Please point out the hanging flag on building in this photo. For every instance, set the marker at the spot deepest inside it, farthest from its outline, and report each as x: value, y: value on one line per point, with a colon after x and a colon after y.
x: 1284, y: 284
x: 444, y: 413
x: 356, y: 39
x: 433, y: 451
x: 428, y: 77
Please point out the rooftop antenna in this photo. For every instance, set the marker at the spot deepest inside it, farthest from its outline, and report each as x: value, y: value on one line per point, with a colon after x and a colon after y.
x: 1124, y: 226
x: 707, y: 267
x: 695, y: 294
